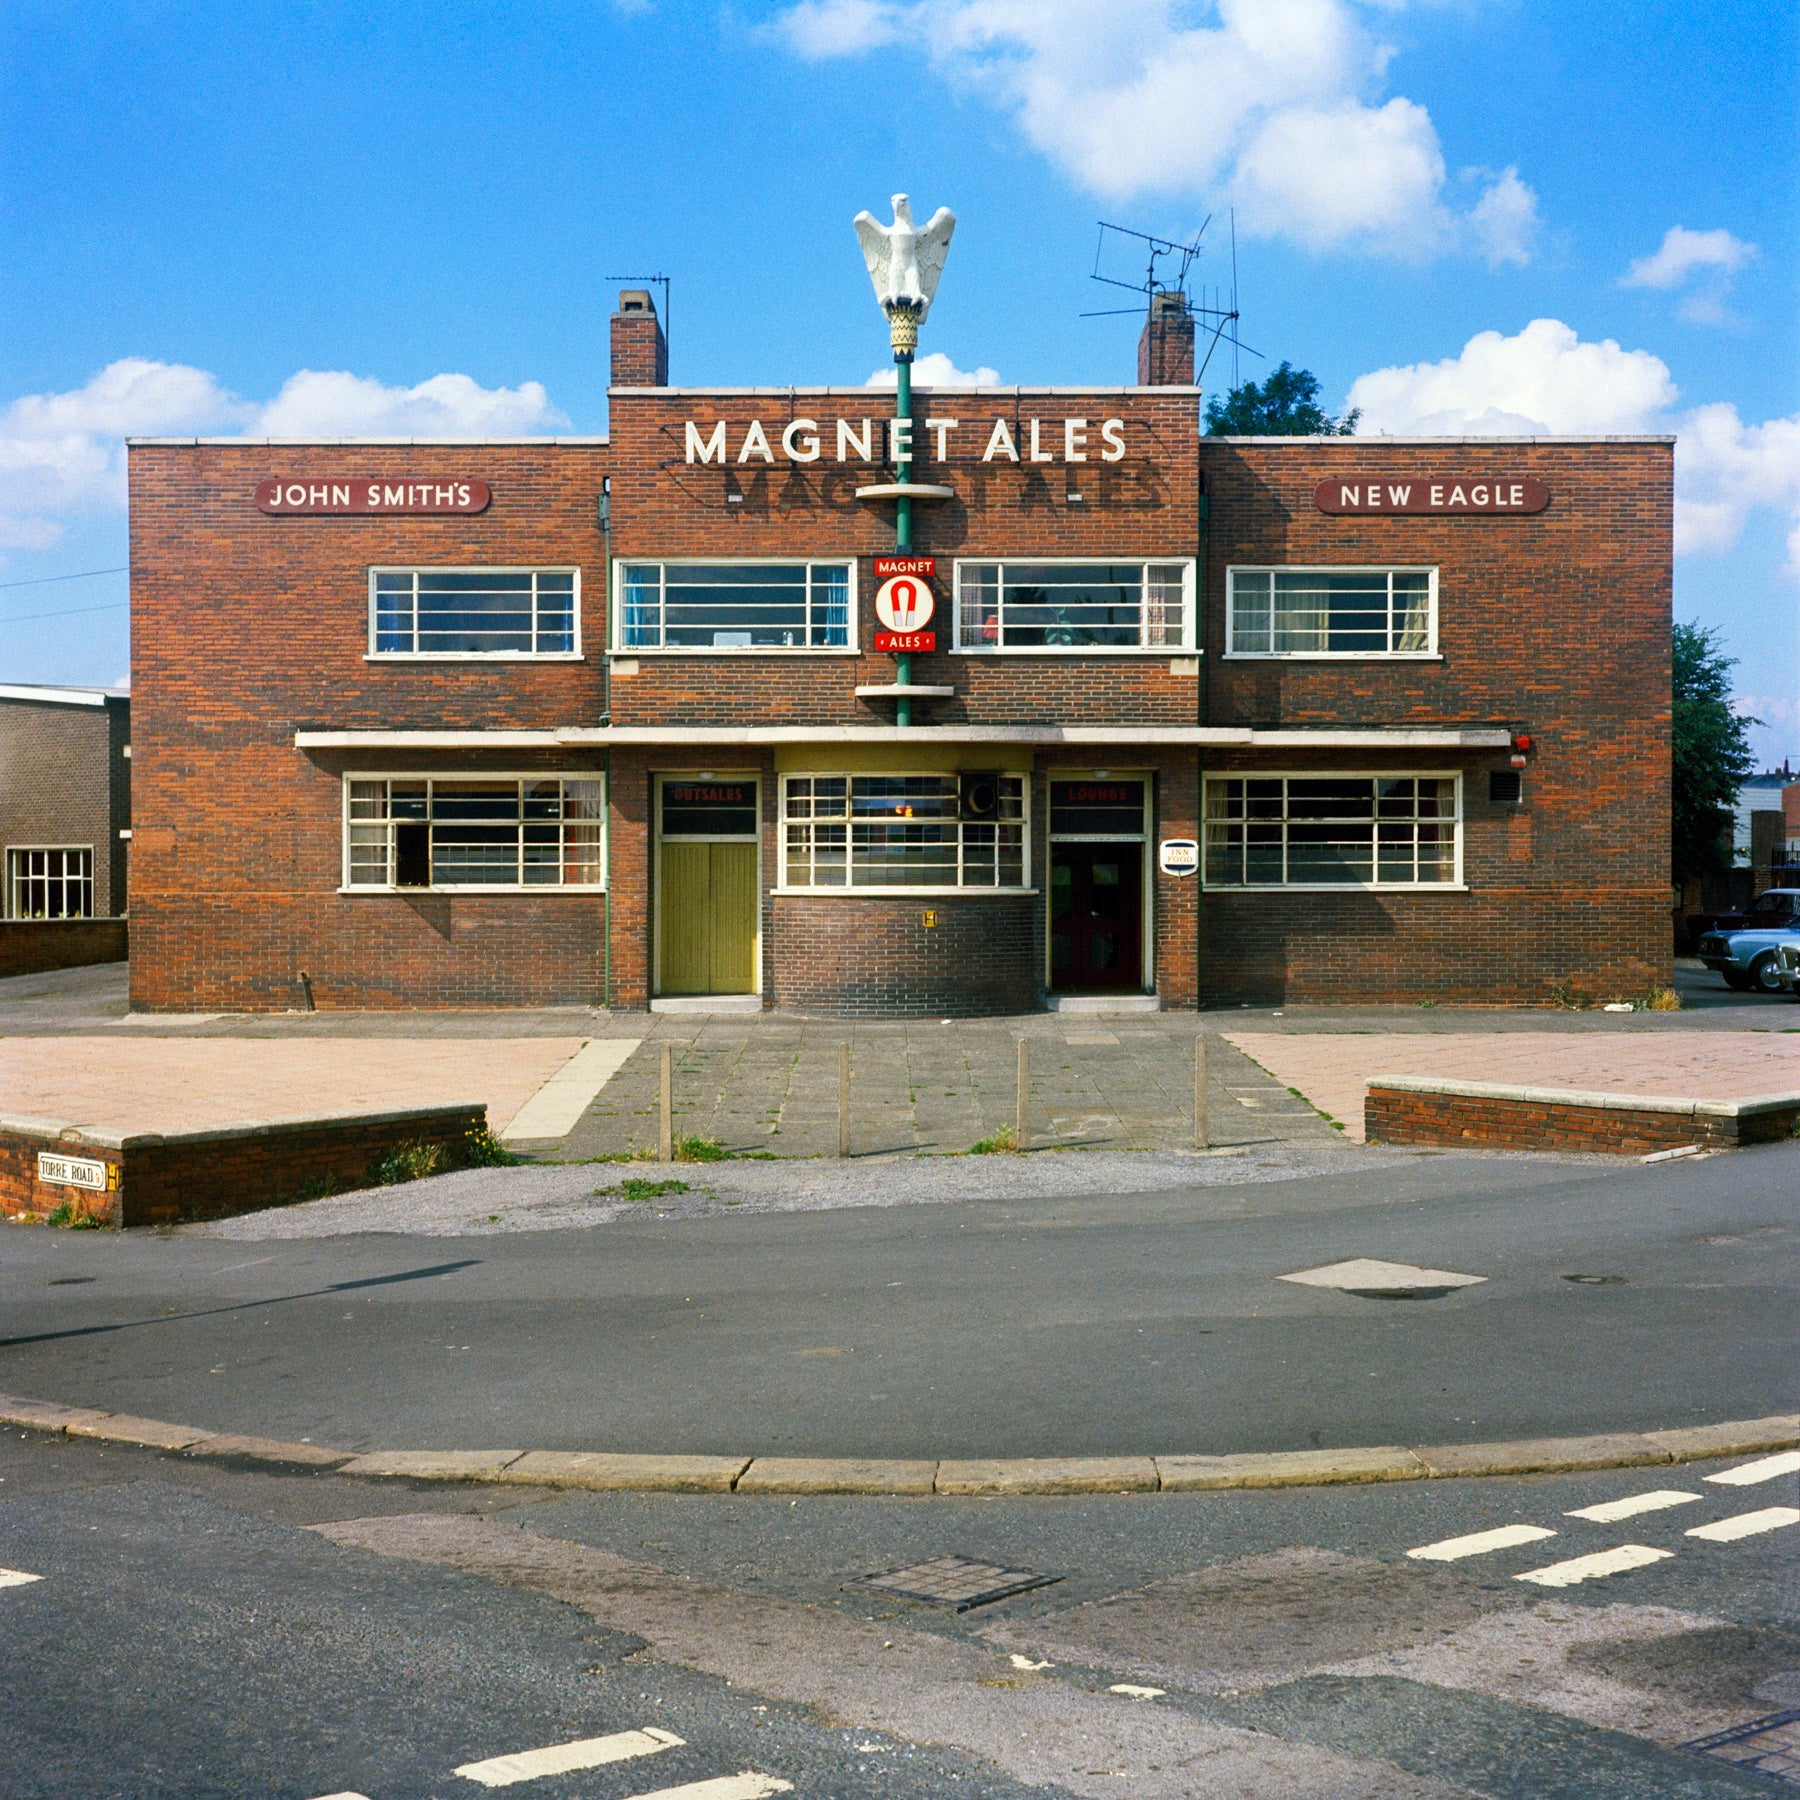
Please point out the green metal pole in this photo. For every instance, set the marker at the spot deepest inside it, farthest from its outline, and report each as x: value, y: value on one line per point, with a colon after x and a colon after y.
x: 903, y: 519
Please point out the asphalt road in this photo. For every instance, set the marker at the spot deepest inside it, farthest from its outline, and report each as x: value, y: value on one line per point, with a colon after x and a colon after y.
x: 199, y: 1630
x: 1106, y: 1323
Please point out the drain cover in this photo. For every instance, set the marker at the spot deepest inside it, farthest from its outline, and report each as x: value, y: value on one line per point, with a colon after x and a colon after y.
x: 958, y: 1582
x: 1369, y: 1279
x: 1770, y: 1746
x: 1596, y: 1280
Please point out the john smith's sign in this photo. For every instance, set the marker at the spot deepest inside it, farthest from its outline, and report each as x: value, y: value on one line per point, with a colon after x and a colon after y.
x: 359, y: 495
x: 1484, y: 494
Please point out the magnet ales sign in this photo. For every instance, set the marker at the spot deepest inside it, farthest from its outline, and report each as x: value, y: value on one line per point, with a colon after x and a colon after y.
x: 1487, y: 494
x: 360, y: 495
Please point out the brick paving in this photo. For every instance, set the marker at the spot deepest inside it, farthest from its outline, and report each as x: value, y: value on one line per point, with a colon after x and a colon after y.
x: 1333, y: 1068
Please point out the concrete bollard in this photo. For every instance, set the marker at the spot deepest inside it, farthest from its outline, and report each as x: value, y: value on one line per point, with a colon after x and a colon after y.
x: 665, y: 1137
x: 1200, y: 1142
x: 1022, y: 1121
x: 843, y: 1099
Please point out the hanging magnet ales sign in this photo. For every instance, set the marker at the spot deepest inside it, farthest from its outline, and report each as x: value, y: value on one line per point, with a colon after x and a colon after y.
x: 904, y: 603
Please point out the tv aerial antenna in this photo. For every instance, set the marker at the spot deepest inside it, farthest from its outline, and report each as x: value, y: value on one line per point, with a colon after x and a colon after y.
x: 652, y: 281
x: 1166, y: 266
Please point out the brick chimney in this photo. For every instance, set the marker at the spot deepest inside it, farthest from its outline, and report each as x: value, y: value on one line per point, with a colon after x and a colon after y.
x: 640, y: 352
x: 1166, y: 349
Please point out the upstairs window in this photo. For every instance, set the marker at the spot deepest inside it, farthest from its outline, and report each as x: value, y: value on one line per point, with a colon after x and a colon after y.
x: 905, y: 831
x: 50, y: 884
x: 1074, y: 605
x: 481, y: 831
x: 1331, y: 831
x: 735, y: 606
x: 473, y: 612
x: 1331, y: 612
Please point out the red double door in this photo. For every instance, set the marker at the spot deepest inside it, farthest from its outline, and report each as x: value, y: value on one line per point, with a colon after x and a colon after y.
x: 1096, y: 917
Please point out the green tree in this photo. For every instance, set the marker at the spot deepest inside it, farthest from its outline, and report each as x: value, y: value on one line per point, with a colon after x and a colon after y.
x: 1710, y: 752
x: 1286, y: 405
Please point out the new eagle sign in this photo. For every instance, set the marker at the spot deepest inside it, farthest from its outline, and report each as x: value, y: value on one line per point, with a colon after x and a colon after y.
x: 904, y: 603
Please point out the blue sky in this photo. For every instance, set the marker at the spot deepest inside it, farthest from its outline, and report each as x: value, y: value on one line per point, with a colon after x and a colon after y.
x: 1467, y: 215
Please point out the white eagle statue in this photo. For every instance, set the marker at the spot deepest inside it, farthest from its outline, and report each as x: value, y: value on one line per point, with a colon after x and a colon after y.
x: 904, y: 260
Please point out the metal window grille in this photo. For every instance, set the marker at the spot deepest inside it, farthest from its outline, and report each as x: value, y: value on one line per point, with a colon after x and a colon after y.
x: 478, y: 831
x: 51, y: 883
x: 899, y: 831
x: 1331, y: 612
x: 1073, y: 605
x: 473, y: 612
x: 735, y: 606
x: 1332, y: 831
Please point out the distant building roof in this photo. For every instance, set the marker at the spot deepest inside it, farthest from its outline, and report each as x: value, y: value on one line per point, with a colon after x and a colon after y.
x: 48, y: 695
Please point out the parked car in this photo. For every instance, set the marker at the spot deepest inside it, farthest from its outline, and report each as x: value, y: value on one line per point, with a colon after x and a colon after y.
x: 1758, y: 958
x: 1774, y: 906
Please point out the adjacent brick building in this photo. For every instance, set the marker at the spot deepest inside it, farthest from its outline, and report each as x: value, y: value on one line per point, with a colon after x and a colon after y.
x: 605, y: 721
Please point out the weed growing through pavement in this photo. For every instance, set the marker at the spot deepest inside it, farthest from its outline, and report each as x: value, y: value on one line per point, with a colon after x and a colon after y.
x: 1663, y: 999
x: 408, y: 1162
x: 700, y: 1149
x: 1003, y: 1139
x: 482, y: 1150
x: 71, y: 1217
x: 635, y: 1187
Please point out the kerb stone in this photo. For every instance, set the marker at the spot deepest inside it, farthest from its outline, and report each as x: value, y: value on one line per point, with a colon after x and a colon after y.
x: 836, y: 1475
x: 606, y: 1471
x: 1296, y: 1468
x: 433, y: 1465
x: 1049, y: 1475
x: 1530, y: 1456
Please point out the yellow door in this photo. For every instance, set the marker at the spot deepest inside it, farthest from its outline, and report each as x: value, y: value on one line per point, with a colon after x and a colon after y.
x: 708, y: 918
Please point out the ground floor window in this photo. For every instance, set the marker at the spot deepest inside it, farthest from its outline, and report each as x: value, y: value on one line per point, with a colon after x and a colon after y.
x: 905, y: 831
x: 50, y: 883
x: 474, y: 831
x: 1332, y: 830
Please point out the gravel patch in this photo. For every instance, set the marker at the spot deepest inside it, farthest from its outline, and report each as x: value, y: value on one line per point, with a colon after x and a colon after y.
x: 561, y: 1196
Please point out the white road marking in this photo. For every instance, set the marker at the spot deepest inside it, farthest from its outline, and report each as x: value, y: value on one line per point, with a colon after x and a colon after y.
x: 560, y: 1759
x: 1766, y: 1469
x: 554, y: 1110
x: 1367, y: 1272
x: 1743, y: 1525
x: 16, y: 1578
x: 747, y: 1784
x: 1632, y: 1505
x: 1589, y: 1568
x: 1133, y: 1692
x: 1479, y: 1543
x: 345, y: 1795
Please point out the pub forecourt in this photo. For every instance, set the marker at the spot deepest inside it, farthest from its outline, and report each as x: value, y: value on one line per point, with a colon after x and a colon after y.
x: 615, y: 721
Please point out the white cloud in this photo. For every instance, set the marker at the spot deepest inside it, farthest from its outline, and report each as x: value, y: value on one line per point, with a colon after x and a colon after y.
x: 937, y: 370
x: 63, y: 455
x: 1683, y: 252
x: 1547, y: 380
x: 1275, y: 108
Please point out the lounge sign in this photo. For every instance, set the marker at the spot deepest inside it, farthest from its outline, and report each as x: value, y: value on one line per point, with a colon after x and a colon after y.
x: 363, y: 496
x: 1486, y: 494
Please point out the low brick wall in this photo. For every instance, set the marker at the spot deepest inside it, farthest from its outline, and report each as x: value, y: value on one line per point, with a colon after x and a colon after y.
x: 873, y: 956
x: 29, y: 946
x: 1415, y: 1110
x: 149, y: 1178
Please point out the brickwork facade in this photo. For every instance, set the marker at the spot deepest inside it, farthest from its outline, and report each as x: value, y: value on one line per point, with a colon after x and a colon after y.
x: 258, y: 697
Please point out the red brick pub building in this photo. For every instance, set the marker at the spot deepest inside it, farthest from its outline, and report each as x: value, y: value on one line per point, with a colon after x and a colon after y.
x: 605, y: 721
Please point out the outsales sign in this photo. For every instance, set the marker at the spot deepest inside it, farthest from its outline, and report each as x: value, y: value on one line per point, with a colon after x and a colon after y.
x: 1487, y: 494
x: 360, y: 495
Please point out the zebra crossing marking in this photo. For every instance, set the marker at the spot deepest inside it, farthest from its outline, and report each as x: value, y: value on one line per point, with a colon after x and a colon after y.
x: 1750, y: 1524
x: 562, y: 1759
x: 1592, y: 1567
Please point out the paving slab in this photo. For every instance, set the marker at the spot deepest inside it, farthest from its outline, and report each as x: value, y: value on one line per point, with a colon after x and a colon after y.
x: 836, y: 1475
x: 605, y: 1471
x: 1049, y: 1475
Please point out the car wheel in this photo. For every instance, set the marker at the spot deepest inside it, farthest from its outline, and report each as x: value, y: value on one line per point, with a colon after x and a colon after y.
x: 1736, y: 978
x: 1765, y: 973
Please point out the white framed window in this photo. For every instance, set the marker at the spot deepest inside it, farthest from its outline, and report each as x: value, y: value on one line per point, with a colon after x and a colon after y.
x: 904, y: 832
x: 1333, y: 830
x: 716, y: 605
x: 1054, y: 604
x: 489, y: 832
x: 1331, y: 612
x: 462, y: 613
x: 50, y: 882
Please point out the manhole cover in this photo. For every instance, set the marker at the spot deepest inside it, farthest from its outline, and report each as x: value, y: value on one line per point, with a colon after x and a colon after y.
x: 1770, y: 1746
x: 958, y: 1582
x: 1596, y: 1280
x: 1369, y: 1279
